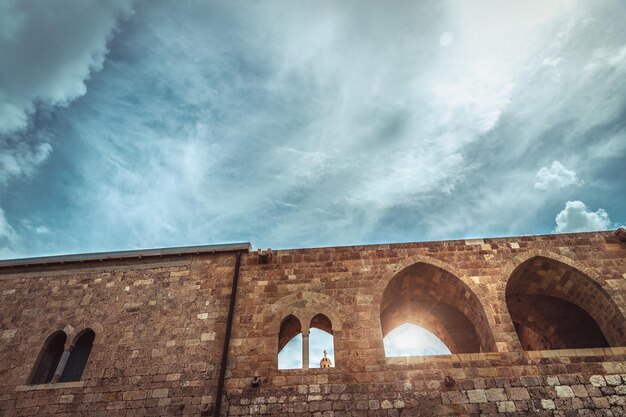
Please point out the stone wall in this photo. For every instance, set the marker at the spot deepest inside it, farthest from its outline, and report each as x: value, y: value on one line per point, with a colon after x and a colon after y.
x: 160, y: 325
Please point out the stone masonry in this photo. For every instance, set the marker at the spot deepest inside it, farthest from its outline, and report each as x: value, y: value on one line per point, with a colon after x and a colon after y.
x: 536, y: 326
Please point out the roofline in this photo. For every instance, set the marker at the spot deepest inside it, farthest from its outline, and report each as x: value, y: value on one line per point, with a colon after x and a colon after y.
x: 127, y: 254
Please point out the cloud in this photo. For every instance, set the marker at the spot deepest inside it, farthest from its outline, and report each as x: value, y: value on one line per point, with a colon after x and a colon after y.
x: 7, y: 236
x: 48, y: 54
x: 307, y: 125
x: 21, y: 160
x: 556, y: 176
x: 576, y: 217
x: 46, y: 57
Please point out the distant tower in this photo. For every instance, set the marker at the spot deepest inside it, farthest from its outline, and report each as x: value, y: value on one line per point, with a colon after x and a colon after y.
x: 325, y: 362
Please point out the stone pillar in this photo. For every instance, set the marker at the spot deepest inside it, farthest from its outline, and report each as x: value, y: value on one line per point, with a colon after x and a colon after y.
x: 62, y: 362
x: 305, y: 349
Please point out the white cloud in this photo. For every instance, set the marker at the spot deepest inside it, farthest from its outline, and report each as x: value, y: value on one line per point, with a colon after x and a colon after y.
x: 21, y: 160
x: 576, y: 217
x: 42, y: 230
x: 48, y: 53
x: 260, y: 122
x: 47, y: 56
x: 556, y: 176
x: 7, y: 236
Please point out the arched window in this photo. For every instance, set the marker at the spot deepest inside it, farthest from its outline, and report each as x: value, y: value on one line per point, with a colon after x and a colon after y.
x: 439, y: 302
x: 321, y: 343
x: 556, y: 306
x: 48, y: 358
x: 79, y: 355
x: 290, y: 343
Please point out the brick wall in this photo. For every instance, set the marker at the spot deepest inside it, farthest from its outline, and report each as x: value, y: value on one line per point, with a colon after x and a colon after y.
x: 160, y: 323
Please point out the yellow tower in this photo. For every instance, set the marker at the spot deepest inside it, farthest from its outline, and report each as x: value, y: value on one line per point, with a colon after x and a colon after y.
x: 325, y: 362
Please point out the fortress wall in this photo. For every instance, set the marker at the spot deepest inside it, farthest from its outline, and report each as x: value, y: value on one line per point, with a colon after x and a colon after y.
x: 160, y: 323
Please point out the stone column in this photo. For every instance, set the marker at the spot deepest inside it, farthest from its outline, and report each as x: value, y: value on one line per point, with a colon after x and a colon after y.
x: 305, y: 349
x: 62, y: 362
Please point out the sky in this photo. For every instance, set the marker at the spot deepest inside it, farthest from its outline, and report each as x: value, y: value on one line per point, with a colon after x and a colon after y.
x: 127, y: 125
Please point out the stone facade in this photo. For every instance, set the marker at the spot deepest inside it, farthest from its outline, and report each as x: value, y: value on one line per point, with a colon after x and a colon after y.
x: 160, y: 321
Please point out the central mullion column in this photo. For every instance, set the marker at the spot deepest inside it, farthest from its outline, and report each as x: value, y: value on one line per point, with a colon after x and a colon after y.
x: 305, y: 349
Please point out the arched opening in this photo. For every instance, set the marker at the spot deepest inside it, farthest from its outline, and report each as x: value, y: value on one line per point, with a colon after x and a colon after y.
x: 321, y: 343
x: 290, y: 343
x: 79, y: 355
x: 556, y: 306
x: 48, y: 359
x: 439, y: 302
x: 412, y: 340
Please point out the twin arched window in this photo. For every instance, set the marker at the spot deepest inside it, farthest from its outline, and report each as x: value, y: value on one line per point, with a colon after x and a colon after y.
x: 55, y: 364
x: 311, y: 347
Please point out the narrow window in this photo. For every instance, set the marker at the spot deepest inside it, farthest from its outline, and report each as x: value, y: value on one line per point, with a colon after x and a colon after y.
x: 48, y: 358
x: 321, y: 343
x: 290, y: 343
x: 78, y: 357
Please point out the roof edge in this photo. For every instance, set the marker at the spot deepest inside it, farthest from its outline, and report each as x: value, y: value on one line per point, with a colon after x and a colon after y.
x: 126, y: 254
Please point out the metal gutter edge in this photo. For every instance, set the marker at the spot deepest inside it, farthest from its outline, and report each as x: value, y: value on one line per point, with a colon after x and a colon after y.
x: 141, y: 253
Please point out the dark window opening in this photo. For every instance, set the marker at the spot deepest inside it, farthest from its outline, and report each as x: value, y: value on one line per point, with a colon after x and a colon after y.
x: 48, y: 358
x: 555, y: 306
x: 79, y: 355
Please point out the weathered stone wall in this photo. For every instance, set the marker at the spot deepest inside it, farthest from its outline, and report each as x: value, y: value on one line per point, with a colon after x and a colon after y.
x: 159, y: 331
x: 158, y: 325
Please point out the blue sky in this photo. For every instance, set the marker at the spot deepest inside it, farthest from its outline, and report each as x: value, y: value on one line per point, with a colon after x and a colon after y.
x: 130, y: 125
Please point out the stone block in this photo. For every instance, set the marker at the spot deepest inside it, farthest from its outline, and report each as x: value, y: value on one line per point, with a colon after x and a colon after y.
x: 597, y: 381
x: 564, y: 391
x: 506, y: 406
x: 476, y: 396
x: 548, y: 405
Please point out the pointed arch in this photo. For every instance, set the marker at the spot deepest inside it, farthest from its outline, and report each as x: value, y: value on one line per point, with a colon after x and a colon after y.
x: 556, y: 305
x: 321, y: 341
x: 48, y: 358
x: 439, y: 301
x: 79, y: 355
x: 286, y: 357
x: 322, y: 322
x: 290, y: 327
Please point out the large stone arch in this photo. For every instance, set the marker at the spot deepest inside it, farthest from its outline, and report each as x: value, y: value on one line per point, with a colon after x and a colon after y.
x: 561, y: 303
x: 431, y: 294
x: 382, y: 282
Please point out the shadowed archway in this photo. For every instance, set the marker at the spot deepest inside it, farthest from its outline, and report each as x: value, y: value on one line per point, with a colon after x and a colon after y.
x: 556, y: 306
x: 438, y: 301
